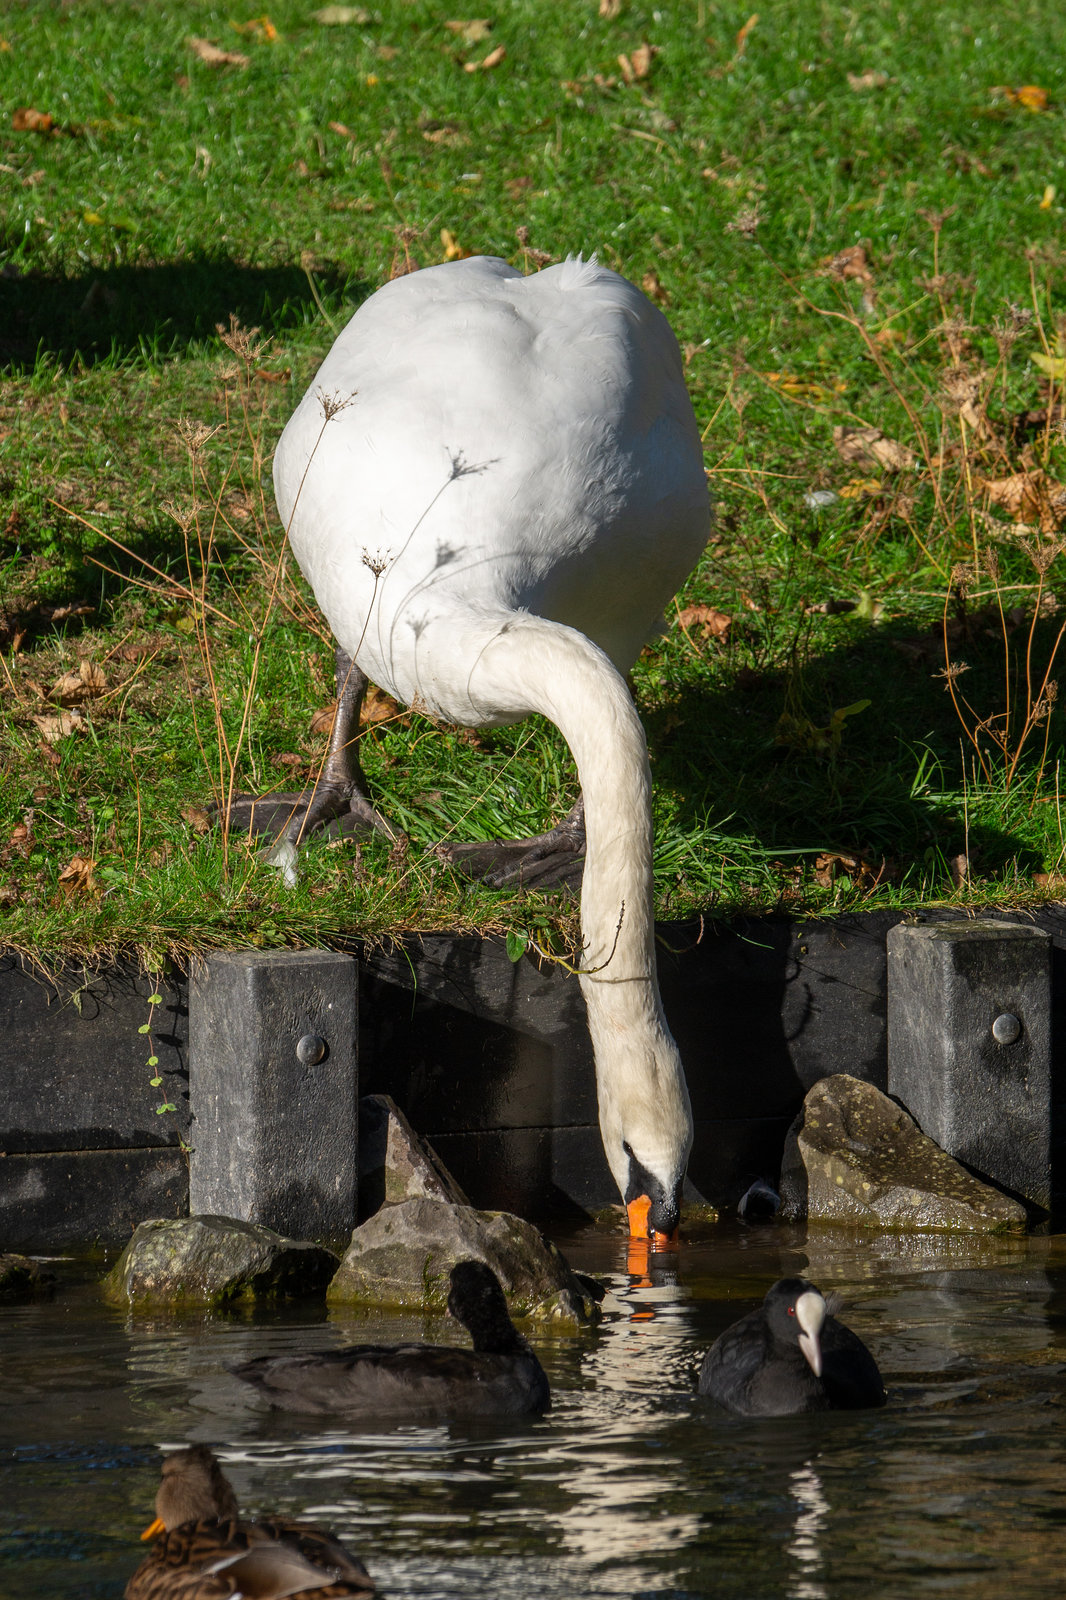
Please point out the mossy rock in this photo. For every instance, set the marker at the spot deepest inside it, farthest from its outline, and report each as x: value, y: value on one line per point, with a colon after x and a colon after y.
x: 209, y: 1260
x: 855, y: 1156
x: 403, y: 1254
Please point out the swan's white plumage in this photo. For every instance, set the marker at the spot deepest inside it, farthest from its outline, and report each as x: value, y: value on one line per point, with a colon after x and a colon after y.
x: 522, y: 453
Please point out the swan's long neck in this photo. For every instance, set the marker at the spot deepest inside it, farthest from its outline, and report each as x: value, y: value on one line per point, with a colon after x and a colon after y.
x: 532, y: 664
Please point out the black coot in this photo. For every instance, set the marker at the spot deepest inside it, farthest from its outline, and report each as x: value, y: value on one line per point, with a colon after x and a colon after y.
x: 500, y: 1377
x: 789, y: 1356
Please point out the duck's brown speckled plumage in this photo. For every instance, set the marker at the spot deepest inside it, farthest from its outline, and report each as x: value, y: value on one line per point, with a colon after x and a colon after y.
x: 212, y: 1556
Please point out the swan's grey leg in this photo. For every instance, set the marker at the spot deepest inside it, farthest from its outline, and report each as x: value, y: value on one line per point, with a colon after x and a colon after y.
x: 548, y: 860
x: 339, y: 803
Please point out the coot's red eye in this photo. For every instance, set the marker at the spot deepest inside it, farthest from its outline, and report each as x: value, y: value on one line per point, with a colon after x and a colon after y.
x: 792, y: 1311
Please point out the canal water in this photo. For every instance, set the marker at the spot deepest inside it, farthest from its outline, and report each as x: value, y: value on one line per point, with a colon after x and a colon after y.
x: 632, y: 1485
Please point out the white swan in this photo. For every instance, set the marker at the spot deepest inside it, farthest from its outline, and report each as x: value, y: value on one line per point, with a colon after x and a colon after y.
x: 494, y: 486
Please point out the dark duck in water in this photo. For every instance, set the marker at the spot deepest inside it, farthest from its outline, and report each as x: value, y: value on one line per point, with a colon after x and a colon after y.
x: 790, y: 1355
x: 499, y: 1377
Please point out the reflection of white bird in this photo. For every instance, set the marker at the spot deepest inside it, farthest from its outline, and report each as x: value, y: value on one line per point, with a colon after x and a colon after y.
x: 494, y: 487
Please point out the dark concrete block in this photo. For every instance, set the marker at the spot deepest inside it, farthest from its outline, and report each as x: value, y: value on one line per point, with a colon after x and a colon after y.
x: 969, y: 1045
x: 72, y: 1062
x: 275, y: 1130
x: 84, y: 1197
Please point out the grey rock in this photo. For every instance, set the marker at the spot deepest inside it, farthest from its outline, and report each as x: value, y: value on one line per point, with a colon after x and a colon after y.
x: 24, y: 1279
x: 210, y: 1260
x: 395, y: 1163
x: 402, y: 1256
x: 854, y: 1156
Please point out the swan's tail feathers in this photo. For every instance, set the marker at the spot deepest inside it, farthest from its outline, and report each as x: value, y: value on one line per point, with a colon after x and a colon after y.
x: 576, y: 273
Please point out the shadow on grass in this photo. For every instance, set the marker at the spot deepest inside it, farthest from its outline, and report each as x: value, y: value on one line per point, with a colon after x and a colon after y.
x: 891, y: 790
x: 111, y: 312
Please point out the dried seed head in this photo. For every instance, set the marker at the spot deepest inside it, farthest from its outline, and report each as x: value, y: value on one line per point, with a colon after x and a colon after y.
x: 245, y: 343
x: 332, y: 404
x: 746, y: 222
x: 195, y: 434
x: 184, y: 515
x: 377, y: 562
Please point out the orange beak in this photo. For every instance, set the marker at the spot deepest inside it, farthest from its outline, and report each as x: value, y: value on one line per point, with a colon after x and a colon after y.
x: 638, y: 1211
x: 154, y: 1529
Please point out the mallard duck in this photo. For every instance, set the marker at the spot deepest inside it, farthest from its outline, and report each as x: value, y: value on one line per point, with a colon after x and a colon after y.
x: 204, y: 1551
x: 494, y: 486
x: 790, y: 1355
x: 500, y: 1377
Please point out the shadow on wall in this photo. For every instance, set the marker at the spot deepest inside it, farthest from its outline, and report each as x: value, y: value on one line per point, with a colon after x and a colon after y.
x: 163, y: 308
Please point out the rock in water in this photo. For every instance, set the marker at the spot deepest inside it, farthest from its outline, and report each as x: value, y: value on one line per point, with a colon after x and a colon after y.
x: 395, y: 1163
x: 403, y: 1254
x: 210, y: 1260
x: 854, y: 1156
x: 22, y: 1278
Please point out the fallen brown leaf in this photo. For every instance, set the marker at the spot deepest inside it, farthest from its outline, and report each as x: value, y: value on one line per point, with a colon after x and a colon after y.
x: 257, y: 28
x: 379, y: 706
x: 340, y: 16
x: 1029, y: 497
x: 60, y: 725
x: 861, y: 81
x: 852, y: 264
x: 471, y: 30
x: 26, y: 120
x: 73, y: 687
x: 445, y: 133
x: 1030, y: 95
x: 77, y: 876
x: 197, y: 818
x: 652, y: 285
x: 322, y: 720
x: 870, y: 447
x: 637, y: 65
x: 486, y: 64
x: 212, y: 56
x: 834, y: 864
x: 711, y: 622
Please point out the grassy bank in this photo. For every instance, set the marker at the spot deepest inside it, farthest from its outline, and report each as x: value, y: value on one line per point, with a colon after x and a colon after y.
x: 852, y: 218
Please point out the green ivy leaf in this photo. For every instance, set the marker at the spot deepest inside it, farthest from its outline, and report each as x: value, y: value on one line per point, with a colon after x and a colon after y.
x: 517, y: 945
x: 155, y: 999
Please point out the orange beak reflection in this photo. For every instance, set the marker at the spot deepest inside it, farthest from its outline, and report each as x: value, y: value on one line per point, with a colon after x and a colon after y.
x: 154, y: 1529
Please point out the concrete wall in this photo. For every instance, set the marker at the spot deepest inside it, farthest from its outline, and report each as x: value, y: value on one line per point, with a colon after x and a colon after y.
x: 490, y: 1060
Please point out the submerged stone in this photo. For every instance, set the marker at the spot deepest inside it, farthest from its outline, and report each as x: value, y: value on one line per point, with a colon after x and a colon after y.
x: 212, y: 1260
x: 403, y: 1254
x: 395, y: 1163
x: 855, y: 1156
x: 23, y: 1279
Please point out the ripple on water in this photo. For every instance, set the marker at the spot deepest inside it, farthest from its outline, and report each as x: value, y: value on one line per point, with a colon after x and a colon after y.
x: 632, y: 1485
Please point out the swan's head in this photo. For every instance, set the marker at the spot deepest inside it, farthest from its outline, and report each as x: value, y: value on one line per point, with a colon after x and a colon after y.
x: 646, y: 1123
x: 653, y: 1204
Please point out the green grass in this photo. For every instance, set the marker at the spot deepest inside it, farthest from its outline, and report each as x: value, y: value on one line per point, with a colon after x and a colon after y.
x: 171, y: 195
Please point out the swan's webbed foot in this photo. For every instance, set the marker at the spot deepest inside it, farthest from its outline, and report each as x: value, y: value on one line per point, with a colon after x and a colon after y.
x: 551, y: 860
x: 339, y: 805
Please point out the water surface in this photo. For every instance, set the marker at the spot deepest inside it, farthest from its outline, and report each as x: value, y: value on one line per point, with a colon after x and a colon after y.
x: 631, y: 1485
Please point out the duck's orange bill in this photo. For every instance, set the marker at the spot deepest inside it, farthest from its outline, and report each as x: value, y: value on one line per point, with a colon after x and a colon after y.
x: 664, y: 1241
x: 154, y: 1529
